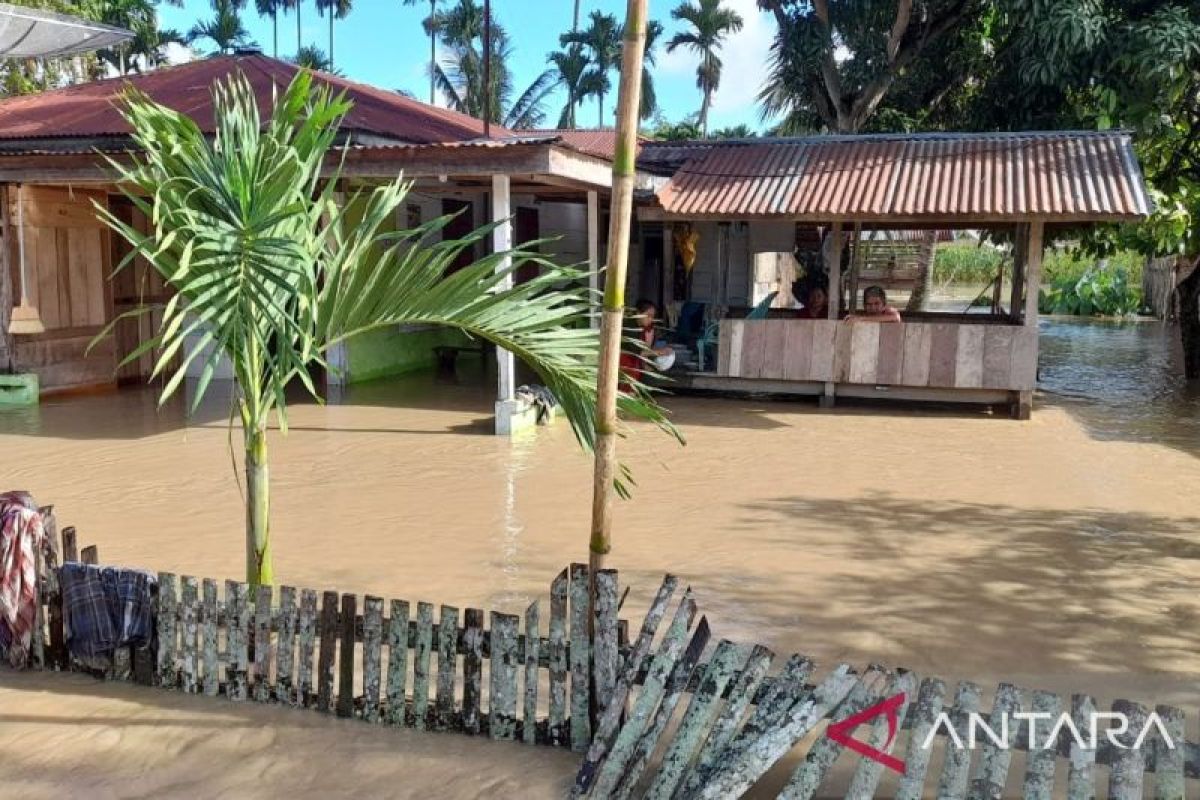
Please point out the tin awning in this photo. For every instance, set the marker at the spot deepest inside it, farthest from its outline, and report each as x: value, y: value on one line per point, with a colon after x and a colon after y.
x: 32, y: 33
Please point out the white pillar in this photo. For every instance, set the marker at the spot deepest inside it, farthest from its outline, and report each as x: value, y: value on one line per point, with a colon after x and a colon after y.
x: 1033, y: 272
x: 502, y: 240
x: 593, y: 243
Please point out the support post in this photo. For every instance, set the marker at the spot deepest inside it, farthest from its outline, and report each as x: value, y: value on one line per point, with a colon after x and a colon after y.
x: 6, y: 283
x: 833, y: 266
x: 1016, y: 298
x: 593, y: 245
x: 855, y: 268
x: 1033, y: 280
x: 619, y: 226
x: 668, y: 265
x: 502, y: 239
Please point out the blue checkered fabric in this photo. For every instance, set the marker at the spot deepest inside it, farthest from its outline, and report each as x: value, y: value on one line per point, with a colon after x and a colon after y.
x: 105, y: 608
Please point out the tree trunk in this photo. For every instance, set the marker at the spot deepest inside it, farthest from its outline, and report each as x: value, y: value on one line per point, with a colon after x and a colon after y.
x: 704, y: 106
x: 575, y: 22
x: 432, y: 67
x: 923, y: 289
x: 1189, y: 322
x: 259, y: 571
x: 612, y: 318
x: 331, y: 38
x: 299, y: 39
x: 275, y: 31
x: 601, y: 99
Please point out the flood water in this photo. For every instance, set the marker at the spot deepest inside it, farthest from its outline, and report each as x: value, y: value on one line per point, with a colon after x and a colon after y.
x: 1060, y: 553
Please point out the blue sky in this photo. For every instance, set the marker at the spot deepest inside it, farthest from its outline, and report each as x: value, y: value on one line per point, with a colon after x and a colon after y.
x: 382, y: 43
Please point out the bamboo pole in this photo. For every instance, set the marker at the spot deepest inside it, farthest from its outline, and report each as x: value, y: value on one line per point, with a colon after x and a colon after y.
x: 612, y: 316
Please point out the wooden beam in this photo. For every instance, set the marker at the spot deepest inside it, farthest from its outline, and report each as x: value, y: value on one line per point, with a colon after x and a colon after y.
x: 852, y: 301
x: 833, y: 266
x: 6, y: 279
x: 1017, y: 296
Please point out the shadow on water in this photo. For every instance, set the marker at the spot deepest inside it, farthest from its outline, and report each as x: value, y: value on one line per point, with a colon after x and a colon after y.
x: 1123, y: 381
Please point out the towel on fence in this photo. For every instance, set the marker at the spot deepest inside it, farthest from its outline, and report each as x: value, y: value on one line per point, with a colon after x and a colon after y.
x: 21, y: 536
x: 105, y: 608
x: 538, y: 396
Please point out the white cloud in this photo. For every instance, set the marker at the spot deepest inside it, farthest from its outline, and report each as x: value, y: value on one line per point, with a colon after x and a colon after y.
x: 179, y: 53
x: 746, y: 55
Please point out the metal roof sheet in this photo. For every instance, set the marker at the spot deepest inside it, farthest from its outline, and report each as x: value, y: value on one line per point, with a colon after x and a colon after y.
x: 89, y: 110
x: 1065, y: 175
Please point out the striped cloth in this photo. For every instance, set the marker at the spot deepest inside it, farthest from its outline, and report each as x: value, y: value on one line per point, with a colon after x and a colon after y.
x: 21, y: 535
x: 105, y: 608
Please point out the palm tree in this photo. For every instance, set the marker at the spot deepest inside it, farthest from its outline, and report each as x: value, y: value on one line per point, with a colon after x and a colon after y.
x: 649, y: 105
x: 312, y: 57
x: 271, y: 8
x: 711, y: 24
x: 431, y: 29
x: 602, y: 40
x: 460, y: 75
x: 337, y: 9
x: 270, y: 272
x: 224, y: 28
x: 570, y: 68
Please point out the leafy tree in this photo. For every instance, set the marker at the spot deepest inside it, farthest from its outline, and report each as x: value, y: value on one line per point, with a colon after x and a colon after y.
x: 649, y: 98
x: 224, y: 29
x: 570, y: 70
x: 430, y: 25
x: 710, y: 24
x: 313, y: 57
x: 269, y: 272
x: 742, y: 131
x: 460, y: 75
x: 667, y: 131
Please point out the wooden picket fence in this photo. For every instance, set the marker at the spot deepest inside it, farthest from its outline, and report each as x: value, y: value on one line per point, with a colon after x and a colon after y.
x: 663, y: 716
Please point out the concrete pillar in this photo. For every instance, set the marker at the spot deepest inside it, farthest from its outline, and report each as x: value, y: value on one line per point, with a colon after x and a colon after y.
x: 502, y: 239
x: 833, y: 265
x: 1033, y: 272
x: 593, y: 245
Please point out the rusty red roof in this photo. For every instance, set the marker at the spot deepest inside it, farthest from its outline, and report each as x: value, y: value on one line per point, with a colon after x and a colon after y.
x: 88, y: 110
x: 601, y: 142
x: 1070, y: 176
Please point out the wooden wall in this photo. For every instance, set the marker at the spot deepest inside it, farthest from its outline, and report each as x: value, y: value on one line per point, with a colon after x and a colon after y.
x: 67, y: 264
x: 946, y: 355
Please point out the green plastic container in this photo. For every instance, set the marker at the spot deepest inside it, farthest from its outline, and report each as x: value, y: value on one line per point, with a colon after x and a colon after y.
x: 18, y: 390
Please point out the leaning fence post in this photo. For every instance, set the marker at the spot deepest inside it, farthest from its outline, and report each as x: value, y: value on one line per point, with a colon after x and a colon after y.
x: 166, y: 630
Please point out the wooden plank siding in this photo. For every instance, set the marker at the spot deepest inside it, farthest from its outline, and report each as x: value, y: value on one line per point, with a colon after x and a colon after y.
x: 939, y: 355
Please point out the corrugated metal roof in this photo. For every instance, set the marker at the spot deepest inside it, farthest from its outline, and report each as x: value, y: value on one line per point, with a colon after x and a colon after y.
x: 89, y: 109
x: 1075, y: 176
x: 601, y: 142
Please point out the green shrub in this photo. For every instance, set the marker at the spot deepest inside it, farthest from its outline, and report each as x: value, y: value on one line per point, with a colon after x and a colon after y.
x: 1101, y: 290
x: 962, y: 262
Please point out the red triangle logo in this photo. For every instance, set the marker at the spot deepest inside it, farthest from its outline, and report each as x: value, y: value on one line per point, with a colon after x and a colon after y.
x: 840, y: 731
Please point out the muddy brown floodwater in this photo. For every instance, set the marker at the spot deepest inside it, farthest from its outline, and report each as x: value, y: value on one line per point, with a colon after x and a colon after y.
x: 1058, y: 553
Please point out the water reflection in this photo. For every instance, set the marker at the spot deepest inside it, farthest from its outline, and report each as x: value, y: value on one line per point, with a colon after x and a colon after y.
x: 1121, y: 380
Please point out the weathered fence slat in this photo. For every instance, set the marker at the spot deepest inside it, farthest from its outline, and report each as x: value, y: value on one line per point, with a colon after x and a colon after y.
x: 473, y: 621
x: 991, y: 773
x: 529, y: 721
x: 166, y: 630
x: 285, y: 650
x: 372, y: 655
x: 604, y: 653
x: 328, y: 647
x: 209, y: 634
x: 447, y: 661
x: 502, y: 698
x: 1169, y: 761
x: 424, y: 645
x: 952, y: 785
x: 1126, y: 773
x: 1081, y: 775
x: 397, y: 678
x: 741, y: 769
x: 784, y: 692
x: 188, y: 607
x: 37, y: 648
x: 70, y: 539
x: 676, y: 685
x: 262, y: 645
x: 345, y: 694
x: 700, y: 715
x: 238, y: 598
x: 807, y: 777
x: 869, y: 771
x: 580, y: 657
x: 726, y: 726
x: 307, y: 635
x: 916, y: 763
x: 557, y: 730
x: 1039, y: 764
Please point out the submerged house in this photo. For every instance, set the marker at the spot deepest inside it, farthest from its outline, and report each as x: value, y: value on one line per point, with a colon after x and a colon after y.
x: 722, y: 228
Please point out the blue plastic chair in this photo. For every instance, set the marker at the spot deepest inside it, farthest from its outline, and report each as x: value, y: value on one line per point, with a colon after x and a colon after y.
x: 711, y: 334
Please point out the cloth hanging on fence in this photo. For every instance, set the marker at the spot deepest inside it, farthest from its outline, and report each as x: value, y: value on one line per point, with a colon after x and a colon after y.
x: 105, y: 608
x: 21, y: 536
x: 540, y: 397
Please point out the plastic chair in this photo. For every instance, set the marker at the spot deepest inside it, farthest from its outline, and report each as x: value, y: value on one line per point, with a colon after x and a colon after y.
x: 713, y: 331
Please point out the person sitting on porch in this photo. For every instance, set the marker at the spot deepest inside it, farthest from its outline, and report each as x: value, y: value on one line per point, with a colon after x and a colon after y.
x: 875, y: 307
x: 816, y: 304
x: 633, y: 364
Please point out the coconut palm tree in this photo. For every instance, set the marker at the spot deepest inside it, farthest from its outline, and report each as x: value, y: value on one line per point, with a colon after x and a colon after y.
x: 271, y: 8
x: 602, y: 40
x: 269, y: 271
x: 224, y: 28
x: 460, y: 75
x: 337, y: 9
x: 431, y: 30
x: 570, y: 67
x: 649, y: 105
x: 711, y: 23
